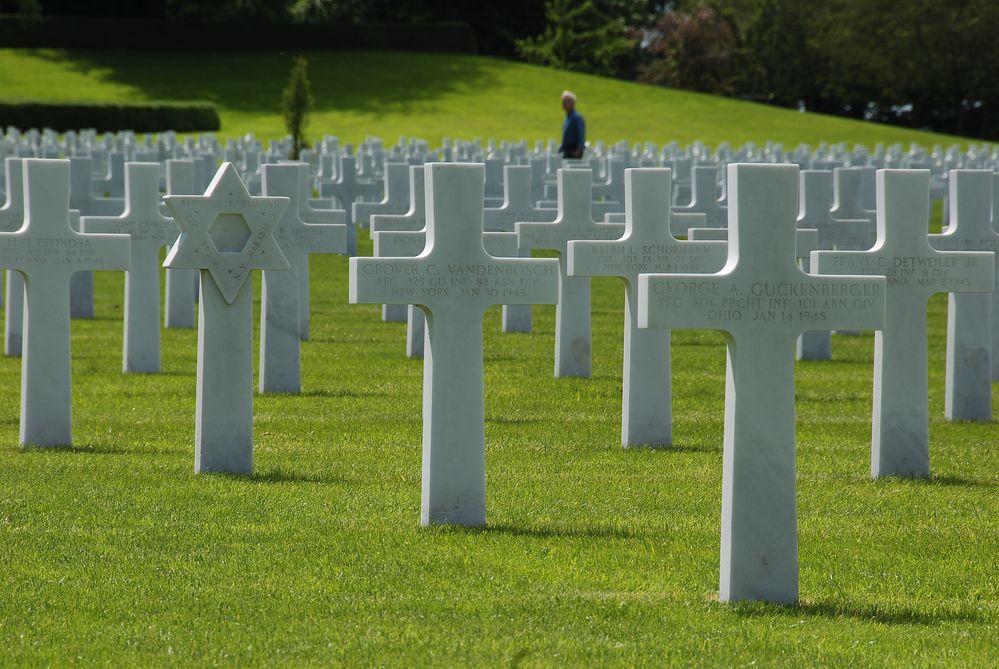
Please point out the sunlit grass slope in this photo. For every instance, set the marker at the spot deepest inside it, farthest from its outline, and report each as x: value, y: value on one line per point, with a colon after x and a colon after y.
x: 422, y: 95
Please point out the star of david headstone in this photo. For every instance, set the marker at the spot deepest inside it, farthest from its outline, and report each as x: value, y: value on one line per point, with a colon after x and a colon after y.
x: 225, y: 234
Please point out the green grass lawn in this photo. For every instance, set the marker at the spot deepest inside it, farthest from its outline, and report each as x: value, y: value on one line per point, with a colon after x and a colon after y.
x: 423, y: 95
x: 114, y: 553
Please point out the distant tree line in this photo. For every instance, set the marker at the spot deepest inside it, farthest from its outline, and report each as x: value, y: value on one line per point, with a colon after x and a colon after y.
x: 926, y: 63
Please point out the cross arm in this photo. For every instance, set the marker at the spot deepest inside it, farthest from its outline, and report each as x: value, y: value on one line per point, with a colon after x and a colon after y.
x: 326, y: 238
x: 398, y: 243
x: 386, y: 280
x: 846, y: 262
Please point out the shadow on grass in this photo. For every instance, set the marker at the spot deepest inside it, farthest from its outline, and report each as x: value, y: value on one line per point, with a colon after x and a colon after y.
x: 503, y: 420
x: 278, y: 476
x: 948, y: 480
x: 92, y: 449
x: 335, y: 392
x: 369, y: 82
x: 872, y: 613
x: 666, y: 449
x: 541, y: 532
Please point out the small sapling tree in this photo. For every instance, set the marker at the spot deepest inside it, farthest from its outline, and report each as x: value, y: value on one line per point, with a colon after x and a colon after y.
x: 297, y: 104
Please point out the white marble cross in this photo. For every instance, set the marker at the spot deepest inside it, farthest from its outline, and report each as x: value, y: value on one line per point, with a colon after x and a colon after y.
x: 82, y: 199
x: 815, y: 202
x: 226, y: 234
x: 453, y: 280
x: 148, y: 231
x: 516, y: 207
x: 848, y: 195
x: 995, y: 311
x: 347, y: 189
x: 573, y: 355
x: 704, y: 200
x: 647, y: 246
x: 762, y: 302
x: 968, y: 386
x: 11, y: 219
x: 47, y: 252
x: 414, y: 219
x: 395, y: 200
x: 613, y: 188
x: 914, y: 271
x: 280, y: 343
x: 316, y: 217
x: 181, y: 284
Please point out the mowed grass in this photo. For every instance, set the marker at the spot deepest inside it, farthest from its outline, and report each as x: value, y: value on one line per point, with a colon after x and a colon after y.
x: 359, y: 94
x: 114, y: 553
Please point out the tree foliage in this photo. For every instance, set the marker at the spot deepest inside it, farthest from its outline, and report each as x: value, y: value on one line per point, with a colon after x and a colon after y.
x: 297, y: 104
x: 694, y: 50
x: 580, y: 36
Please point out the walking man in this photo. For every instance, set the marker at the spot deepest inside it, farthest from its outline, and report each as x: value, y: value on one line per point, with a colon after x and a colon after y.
x: 573, y: 128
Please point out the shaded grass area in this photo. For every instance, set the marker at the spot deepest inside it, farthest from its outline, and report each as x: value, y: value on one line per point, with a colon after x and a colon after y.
x: 114, y: 553
x: 423, y: 95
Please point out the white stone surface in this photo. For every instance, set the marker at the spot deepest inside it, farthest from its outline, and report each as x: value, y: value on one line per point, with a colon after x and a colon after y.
x: 453, y: 280
x: 815, y: 201
x: 995, y: 309
x: 914, y: 271
x: 704, y: 200
x: 762, y: 302
x: 348, y: 189
x: 47, y: 251
x: 83, y: 200
x: 316, y: 217
x: 968, y: 389
x: 573, y: 355
x: 181, y: 284
x: 280, y: 342
x: 516, y: 206
x: 148, y: 231
x: 848, y: 195
x: 226, y: 234
x: 647, y: 246
x: 414, y: 219
x: 395, y: 200
x: 409, y: 244
x: 11, y: 219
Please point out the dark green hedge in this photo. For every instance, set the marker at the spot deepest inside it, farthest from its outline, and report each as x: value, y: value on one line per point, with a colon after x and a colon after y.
x: 104, y: 117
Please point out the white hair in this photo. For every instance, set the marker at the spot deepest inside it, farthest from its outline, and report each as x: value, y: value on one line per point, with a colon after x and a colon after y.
x: 569, y: 94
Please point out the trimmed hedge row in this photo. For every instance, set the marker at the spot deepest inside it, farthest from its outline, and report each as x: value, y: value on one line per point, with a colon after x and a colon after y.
x: 111, y: 116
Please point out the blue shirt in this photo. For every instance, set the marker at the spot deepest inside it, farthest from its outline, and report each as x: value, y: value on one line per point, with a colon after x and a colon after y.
x: 573, y: 135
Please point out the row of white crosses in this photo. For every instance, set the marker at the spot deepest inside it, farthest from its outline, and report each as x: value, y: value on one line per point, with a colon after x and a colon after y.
x: 754, y: 292
x: 225, y: 233
x: 760, y: 299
